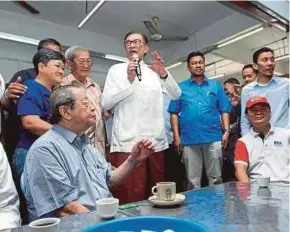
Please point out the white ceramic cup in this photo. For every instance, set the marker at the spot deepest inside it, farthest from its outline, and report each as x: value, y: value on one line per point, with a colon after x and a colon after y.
x: 263, y: 182
x: 165, y: 191
x: 44, y: 225
x: 107, y: 207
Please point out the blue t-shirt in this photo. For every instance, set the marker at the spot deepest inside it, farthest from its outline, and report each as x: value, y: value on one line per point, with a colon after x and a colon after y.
x: 34, y: 102
x: 199, y: 108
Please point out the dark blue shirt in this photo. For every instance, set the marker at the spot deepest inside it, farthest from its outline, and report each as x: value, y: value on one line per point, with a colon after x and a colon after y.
x: 34, y: 102
x: 199, y: 108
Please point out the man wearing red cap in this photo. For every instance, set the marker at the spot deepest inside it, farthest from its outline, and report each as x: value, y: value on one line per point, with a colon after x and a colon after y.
x: 264, y: 150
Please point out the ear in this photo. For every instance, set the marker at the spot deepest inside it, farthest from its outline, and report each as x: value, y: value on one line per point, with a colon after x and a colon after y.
x: 255, y: 66
x: 68, y: 64
x: 40, y: 67
x: 65, y: 112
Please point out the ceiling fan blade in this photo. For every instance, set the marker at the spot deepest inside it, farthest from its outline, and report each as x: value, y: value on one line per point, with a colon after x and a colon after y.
x: 174, y: 38
x: 27, y: 6
x: 150, y: 27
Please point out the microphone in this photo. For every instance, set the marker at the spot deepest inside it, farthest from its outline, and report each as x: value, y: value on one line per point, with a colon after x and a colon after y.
x: 137, y: 68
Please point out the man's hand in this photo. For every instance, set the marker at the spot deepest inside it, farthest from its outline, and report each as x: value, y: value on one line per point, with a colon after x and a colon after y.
x: 16, y: 89
x: 141, y: 150
x: 225, y: 139
x: 131, y: 71
x: 107, y: 114
x: 158, y: 64
x: 178, y: 145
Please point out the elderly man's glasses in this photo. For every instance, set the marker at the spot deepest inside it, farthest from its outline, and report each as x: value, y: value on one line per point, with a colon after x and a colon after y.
x: 135, y: 42
x: 82, y: 63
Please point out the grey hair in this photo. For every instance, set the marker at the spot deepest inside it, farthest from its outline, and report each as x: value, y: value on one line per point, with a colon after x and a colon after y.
x: 71, y: 52
x: 63, y: 95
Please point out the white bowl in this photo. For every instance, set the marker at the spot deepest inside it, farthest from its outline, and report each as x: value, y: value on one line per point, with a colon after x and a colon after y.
x: 107, y: 207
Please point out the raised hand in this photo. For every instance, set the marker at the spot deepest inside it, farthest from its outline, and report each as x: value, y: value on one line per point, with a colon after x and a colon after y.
x: 158, y: 64
x: 141, y: 150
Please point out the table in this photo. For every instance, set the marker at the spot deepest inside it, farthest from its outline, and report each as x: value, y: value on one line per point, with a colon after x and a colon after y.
x: 74, y: 223
x: 230, y: 207
x: 227, y: 207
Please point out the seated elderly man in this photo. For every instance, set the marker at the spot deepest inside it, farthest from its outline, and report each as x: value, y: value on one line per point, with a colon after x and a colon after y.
x: 264, y: 151
x: 9, y: 202
x: 63, y: 173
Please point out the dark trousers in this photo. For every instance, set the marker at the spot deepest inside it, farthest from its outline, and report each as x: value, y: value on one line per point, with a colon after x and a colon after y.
x: 174, y: 168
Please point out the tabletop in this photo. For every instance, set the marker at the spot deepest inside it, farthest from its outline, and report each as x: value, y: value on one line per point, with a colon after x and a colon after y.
x: 231, y: 206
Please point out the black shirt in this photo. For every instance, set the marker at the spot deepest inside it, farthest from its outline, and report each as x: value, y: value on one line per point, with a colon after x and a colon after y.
x: 12, y: 122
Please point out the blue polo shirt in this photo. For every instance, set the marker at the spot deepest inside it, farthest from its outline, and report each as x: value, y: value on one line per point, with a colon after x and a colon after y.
x: 199, y: 108
x: 34, y: 102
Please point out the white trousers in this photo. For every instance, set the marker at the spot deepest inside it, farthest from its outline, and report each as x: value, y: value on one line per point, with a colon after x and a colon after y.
x: 193, y: 158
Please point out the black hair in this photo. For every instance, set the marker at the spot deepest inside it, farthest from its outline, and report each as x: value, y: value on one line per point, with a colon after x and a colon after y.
x: 136, y: 32
x: 259, y: 52
x: 232, y: 81
x: 44, y: 56
x: 193, y: 54
x: 47, y: 41
x: 249, y: 66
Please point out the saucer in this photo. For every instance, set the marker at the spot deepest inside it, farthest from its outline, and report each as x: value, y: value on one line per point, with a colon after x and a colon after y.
x: 179, y: 198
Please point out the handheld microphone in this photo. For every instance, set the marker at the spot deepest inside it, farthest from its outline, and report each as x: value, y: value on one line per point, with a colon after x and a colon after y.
x: 137, y: 68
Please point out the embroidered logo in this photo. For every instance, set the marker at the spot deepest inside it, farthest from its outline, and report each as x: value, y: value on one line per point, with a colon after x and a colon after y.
x: 278, y: 143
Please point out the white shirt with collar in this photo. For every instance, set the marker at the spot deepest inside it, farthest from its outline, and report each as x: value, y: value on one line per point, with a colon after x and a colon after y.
x: 268, y: 157
x: 138, y: 107
x: 9, y: 201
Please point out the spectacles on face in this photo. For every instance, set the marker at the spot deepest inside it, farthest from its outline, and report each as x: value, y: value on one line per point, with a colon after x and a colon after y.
x: 82, y: 63
x: 135, y: 42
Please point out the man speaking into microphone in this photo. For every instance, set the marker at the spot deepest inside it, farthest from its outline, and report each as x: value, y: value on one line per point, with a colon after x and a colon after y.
x: 133, y: 90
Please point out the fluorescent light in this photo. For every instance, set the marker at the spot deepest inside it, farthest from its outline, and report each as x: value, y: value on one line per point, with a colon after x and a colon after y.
x: 91, y: 13
x: 174, y: 65
x: 217, y: 76
x: 117, y: 58
x: 17, y: 38
x: 282, y: 57
x: 239, y: 37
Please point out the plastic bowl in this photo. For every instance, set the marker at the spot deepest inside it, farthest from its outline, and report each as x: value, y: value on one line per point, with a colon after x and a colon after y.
x: 148, y: 223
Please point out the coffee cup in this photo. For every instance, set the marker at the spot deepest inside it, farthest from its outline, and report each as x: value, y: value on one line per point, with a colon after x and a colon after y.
x: 165, y: 191
x: 107, y: 207
x: 44, y: 225
x: 263, y: 182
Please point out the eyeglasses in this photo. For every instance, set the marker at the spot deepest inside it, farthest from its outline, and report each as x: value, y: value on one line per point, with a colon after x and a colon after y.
x: 135, y: 42
x: 82, y: 63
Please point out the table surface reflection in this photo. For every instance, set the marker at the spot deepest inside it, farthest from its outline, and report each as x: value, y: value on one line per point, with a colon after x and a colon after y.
x: 229, y: 207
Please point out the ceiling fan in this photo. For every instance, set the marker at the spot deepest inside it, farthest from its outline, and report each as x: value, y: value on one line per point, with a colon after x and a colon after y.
x: 156, y: 36
x: 27, y: 7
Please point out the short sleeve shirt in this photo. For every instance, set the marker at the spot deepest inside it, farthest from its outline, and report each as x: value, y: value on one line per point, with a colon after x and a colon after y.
x: 62, y: 167
x: 35, y: 101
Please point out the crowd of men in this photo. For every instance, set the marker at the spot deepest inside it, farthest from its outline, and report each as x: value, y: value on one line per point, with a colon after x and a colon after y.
x: 56, y: 142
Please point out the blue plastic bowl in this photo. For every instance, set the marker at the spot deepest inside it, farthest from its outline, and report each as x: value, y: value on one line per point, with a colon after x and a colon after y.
x: 151, y: 223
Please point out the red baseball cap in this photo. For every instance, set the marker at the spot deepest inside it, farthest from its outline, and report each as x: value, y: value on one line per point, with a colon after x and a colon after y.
x: 256, y: 100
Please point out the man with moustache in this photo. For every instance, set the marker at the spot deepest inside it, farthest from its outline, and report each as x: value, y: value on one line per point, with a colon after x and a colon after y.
x: 79, y: 61
x: 195, y: 120
x: 249, y: 74
x: 275, y: 89
x: 137, y: 104
x: 264, y: 151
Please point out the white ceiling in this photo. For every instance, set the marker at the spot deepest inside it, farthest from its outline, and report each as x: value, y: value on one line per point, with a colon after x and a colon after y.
x: 116, y: 18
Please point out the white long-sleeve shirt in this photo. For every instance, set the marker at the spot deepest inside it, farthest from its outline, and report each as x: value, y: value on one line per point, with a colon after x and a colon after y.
x: 138, y: 107
x: 9, y: 201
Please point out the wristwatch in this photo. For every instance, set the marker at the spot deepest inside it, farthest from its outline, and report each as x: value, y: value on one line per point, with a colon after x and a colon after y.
x: 228, y: 130
x: 165, y: 77
x: 133, y: 164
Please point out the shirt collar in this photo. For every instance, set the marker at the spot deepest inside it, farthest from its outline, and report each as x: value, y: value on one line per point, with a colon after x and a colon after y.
x: 69, y: 135
x: 191, y: 81
x: 255, y: 134
x: 273, y: 79
x: 71, y: 78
